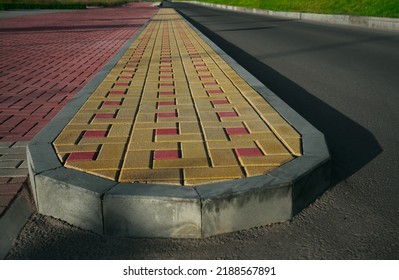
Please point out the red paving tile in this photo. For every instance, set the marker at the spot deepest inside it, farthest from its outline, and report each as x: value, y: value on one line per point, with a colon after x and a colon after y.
x: 166, y: 131
x: 236, y: 130
x: 220, y: 102
x: 82, y: 156
x: 249, y: 152
x: 166, y: 154
x: 227, y: 114
x: 167, y: 115
x: 166, y: 103
x: 5, y: 200
x: 10, y: 188
x: 46, y: 59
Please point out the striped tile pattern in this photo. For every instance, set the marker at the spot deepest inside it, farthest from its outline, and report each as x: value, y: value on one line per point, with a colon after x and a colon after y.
x: 172, y: 111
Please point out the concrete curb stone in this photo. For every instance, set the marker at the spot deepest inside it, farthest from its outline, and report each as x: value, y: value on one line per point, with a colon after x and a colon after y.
x: 149, y: 210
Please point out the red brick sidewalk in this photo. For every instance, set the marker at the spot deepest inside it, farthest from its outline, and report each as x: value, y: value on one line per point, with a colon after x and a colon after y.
x: 44, y: 61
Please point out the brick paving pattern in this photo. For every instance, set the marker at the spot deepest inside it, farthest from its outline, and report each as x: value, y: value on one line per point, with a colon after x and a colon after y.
x: 173, y: 111
x: 44, y: 61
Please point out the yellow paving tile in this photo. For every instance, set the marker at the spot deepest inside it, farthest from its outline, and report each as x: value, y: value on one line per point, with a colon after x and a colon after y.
x: 294, y: 145
x: 108, y: 174
x: 95, y: 165
x: 273, y: 160
x: 181, y: 163
x: 258, y: 170
x: 252, y: 137
x: 111, y: 151
x: 144, y: 175
x: 213, y: 173
x: 193, y: 150
x: 76, y: 148
x: 104, y: 140
x: 223, y: 157
x: 176, y: 72
x: 273, y: 147
x: 138, y: 160
x: 68, y: 138
x: 144, y: 125
x: 204, y: 181
x: 189, y: 128
x: 286, y: 131
x: 257, y: 126
x: 143, y: 135
x: 179, y: 138
x: 230, y: 144
x: 119, y: 130
x: 215, y: 134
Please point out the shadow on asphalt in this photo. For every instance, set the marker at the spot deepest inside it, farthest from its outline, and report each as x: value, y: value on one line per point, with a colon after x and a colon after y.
x: 351, y: 145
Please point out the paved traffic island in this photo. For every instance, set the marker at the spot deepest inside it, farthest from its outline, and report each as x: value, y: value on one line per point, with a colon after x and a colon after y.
x: 175, y: 139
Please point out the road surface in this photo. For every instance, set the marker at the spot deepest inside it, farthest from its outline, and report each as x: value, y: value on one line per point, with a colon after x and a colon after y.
x: 344, y: 81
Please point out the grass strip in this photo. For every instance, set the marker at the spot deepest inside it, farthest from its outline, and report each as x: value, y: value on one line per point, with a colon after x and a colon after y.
x: 376, y: 8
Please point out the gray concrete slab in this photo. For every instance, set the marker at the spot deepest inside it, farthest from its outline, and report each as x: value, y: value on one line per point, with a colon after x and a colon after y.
x: 142, y: 210
x: 72, y: 196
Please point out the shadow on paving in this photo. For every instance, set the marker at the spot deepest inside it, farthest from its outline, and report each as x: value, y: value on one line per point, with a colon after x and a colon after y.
x: 351, y: 145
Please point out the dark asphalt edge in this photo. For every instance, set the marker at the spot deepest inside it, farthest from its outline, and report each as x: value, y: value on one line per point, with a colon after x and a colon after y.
x: 382, y: 23
x: 14, y: 219
x: 108, y: 207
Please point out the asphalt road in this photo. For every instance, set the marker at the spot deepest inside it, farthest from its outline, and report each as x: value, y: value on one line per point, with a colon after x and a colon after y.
x: 343, y: 80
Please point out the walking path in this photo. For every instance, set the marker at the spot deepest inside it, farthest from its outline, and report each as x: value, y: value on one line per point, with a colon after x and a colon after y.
x: 175, y: 139
x: 45, y: 59
x: 173, y: 111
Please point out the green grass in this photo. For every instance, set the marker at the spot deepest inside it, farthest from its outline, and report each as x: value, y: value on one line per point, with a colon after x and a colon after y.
x: 58, y: 4
x: 377, y: 8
